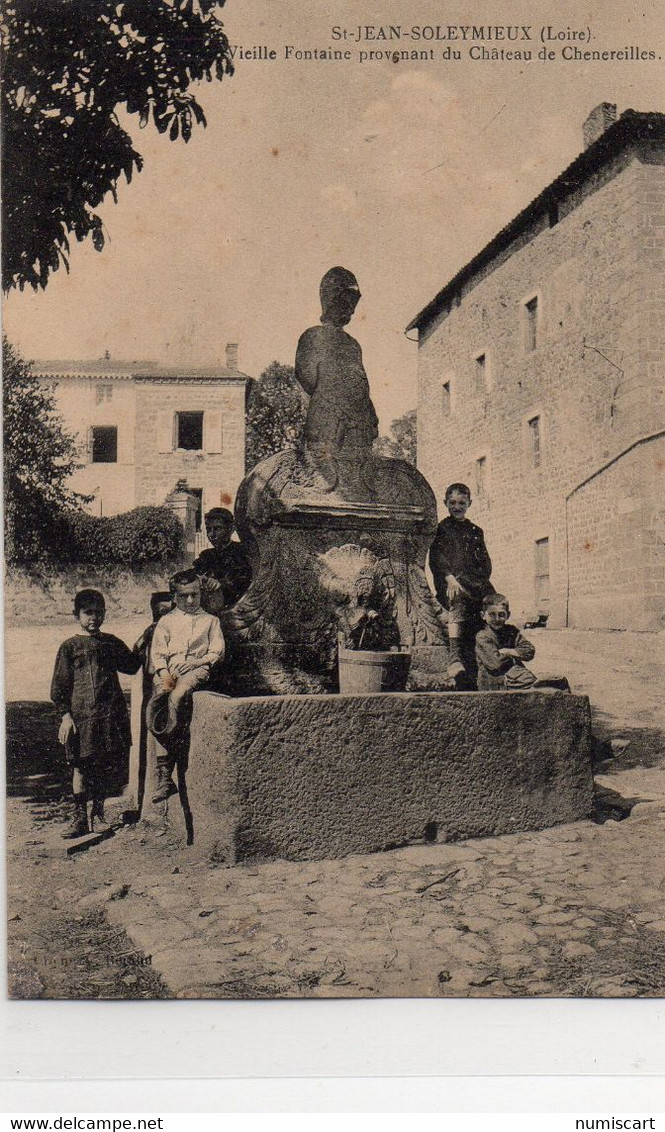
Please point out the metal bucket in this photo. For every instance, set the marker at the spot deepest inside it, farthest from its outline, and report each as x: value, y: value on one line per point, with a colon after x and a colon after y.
x: 362, y: 672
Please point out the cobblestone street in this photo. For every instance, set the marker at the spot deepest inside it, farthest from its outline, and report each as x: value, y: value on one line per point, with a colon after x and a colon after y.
x: 573, y: 911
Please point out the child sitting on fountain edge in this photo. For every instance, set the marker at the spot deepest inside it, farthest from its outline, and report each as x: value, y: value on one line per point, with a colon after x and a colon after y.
x: 501, y: 650
x: 185, y: 645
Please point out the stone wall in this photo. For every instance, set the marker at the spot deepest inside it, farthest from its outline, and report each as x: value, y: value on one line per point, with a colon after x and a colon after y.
x: 616, y: 536
x: 324, y: 776
x: 218, y: 469
x: 594, y: 379
x: 112, y: 485
x: 45, y: 598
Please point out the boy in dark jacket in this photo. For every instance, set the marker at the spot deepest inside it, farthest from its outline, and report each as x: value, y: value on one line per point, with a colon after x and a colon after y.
x: 224, y: 567
x: 161, y: 603
x: 461, y: 568
x: 95, y: 725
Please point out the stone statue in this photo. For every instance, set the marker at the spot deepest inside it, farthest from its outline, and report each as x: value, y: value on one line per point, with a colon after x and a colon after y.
x: 341, y: 422
x: 337, y: 535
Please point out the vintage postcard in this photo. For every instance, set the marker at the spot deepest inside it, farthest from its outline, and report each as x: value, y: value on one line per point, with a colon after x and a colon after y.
x: 334, y: 440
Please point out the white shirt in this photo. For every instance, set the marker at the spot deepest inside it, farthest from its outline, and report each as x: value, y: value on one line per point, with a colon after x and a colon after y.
x: 186, y: 640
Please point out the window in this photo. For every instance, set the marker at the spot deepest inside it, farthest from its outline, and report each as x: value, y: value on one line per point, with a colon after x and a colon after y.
x: 104, y: 445
x: 531, y: 324
x: 481, y: 477
x: 189, y: 431
x: 445, y: 398
x: 542, y: 547
x: 103, y: 393
x: 535, y: 440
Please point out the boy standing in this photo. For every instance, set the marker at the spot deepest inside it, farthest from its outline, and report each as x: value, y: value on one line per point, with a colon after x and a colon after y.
x: 501, y: 650
x: 185, y: 645
x: 461, y: 568
x: 95, y: 725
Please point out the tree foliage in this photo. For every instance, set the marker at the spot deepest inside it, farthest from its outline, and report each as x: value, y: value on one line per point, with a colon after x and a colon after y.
x: 276, y: 413
x: 401, y: 444
x: 39, y: 456
x: 68, y: 66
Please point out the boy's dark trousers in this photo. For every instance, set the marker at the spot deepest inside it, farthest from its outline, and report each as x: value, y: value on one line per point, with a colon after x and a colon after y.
x: 95, y: 785
x: 465, y: 612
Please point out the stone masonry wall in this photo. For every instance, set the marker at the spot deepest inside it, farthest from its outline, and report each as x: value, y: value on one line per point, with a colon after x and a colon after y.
x: 594, y: 378
x: 616, y: 535
x: 218, y: 474
x: 45, y: 597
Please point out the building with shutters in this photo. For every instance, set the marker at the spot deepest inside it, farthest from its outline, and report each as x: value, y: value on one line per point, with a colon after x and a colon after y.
x: 540, y: 376
x: 142, y: 428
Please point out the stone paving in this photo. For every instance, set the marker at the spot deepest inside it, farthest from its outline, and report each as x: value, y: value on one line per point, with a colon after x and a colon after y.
x: 574, y: 910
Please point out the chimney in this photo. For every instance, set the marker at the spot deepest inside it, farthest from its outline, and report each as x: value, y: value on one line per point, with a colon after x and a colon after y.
x: 231, y: 355
x: 599, y: 120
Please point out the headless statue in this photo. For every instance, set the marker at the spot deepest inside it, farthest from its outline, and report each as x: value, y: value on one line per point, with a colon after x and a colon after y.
x: 341, y: 420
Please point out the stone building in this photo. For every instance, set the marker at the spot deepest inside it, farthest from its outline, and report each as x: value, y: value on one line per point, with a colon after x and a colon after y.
x: 541, y: 385
x: 144, y: 427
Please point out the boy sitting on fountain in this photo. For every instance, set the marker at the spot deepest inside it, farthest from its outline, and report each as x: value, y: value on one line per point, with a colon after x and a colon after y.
x: 501, y: 650
x: 461, y: 568
x: 185, y: 645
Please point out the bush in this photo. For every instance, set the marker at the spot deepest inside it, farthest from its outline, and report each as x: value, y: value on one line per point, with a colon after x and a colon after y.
x: 144, y: 536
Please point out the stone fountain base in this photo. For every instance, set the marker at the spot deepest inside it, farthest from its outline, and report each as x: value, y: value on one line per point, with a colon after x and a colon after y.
x: 309, y: 777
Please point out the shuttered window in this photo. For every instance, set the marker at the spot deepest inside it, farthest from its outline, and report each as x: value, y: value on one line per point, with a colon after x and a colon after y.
x: 189, y: 431
x: 104, y: 444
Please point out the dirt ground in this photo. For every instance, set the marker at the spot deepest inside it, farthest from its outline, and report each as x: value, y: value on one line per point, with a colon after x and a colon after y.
x: 575, y: 910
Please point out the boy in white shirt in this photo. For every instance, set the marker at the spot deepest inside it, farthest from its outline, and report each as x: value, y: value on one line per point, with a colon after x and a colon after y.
x: 186, y: 643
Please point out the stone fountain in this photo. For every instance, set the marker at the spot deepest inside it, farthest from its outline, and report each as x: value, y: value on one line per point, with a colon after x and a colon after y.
x: 338, y: 538
x: 296, y: 510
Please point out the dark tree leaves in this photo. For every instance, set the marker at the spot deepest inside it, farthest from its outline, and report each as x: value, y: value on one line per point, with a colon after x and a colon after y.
x: 68, y: 65
x: 401, y: 444
x: 275, y: 413
x: 40, y: 456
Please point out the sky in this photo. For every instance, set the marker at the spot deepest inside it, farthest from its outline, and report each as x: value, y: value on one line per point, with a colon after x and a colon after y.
x: 399, y: 171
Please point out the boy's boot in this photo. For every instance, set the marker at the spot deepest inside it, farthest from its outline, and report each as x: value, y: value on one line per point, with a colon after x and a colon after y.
x: 455, y: 663
x: 165, y: 785
x: 79, y: 824
x: 97, y: 819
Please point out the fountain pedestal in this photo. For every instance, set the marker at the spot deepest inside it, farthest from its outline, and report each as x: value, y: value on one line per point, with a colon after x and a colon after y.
x: 314, y: 554
x: 306, y: 777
